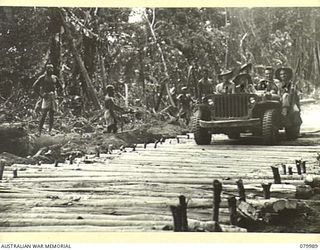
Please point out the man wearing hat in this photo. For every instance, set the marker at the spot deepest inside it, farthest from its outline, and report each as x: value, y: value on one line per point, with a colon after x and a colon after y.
x: 269, y: 84
x: 287, y: 90
x: 243, y: 84
x: 185, y: 102
x: 226, y: 86
x: 45, y: 86
x: 110, y: 116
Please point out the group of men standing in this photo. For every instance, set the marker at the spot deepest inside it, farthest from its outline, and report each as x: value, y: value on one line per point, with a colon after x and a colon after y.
x: 277, y: 82
x: 48, y: 85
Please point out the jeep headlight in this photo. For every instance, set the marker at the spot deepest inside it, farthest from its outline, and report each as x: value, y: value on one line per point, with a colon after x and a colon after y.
x: 252, y: 100
x: 210, y: 102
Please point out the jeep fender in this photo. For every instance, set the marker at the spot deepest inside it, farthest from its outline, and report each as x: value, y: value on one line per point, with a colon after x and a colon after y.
x: 204, y: 112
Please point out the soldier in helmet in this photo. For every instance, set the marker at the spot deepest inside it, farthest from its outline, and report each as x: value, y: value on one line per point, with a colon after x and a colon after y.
x: 46, y: 87
x: 184, y: 103
x: 110, y: 116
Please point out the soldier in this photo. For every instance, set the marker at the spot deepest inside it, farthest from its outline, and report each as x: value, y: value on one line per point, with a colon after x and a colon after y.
x: 110, y: 116
x: 243, y: 84
x: 205, y: 85
x: 185, y: 102
x: 45, y: 86
x: 287, y: 91
x: 269, y: 84
x: 226, y: 86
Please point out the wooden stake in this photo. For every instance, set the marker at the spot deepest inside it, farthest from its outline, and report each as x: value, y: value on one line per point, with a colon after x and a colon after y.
x: 15, y: 173
x: 2, y: 165
x: 241, y: 190
x: 178, y: 141
x: 184, y: 219
x: 134, y: 147
x: 176, y: 226
x: 276, y: 175
x: 56, y: 163
x: 145, y: 145
x: 232, y: 203
x: 298, y: 165
x: 290, y: 170
x: 97, y: 151
x: 304, y: 169
x: 70, y: 159
x: 217, y: 188
x: 284, y: 168
x: 266, y: 190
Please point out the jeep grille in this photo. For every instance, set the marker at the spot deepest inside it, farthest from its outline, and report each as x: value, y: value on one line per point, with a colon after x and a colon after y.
x: 231, y: 105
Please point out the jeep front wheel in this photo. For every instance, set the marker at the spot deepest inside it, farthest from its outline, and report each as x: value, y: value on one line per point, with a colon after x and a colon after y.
x: 201, y: 135
x: 270, y: 127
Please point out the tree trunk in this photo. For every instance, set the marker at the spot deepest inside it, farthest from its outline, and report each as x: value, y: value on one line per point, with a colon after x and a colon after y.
x: 163, y: 61
x: 90, y: 89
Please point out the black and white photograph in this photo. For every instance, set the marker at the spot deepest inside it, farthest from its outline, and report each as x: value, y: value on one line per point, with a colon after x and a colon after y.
x: 160, y: 119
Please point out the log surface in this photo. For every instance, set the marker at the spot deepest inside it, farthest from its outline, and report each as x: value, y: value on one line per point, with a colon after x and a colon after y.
x: 133, y: 190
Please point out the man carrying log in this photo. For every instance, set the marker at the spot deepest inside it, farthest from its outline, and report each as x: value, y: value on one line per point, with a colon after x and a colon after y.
x: 47, y: 86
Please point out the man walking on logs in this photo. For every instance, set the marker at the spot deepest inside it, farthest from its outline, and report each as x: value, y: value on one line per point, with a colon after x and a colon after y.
x: 110, y: 116
x: 46, y: 87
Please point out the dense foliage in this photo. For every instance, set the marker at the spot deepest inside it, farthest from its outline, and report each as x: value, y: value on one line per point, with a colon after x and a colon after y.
x: 150, y: 51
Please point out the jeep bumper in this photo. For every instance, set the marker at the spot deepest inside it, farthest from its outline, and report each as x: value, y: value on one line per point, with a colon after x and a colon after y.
x: 231, y: 123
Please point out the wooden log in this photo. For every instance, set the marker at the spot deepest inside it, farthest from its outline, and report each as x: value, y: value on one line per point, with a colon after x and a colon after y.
x: 266, y: 190
x: 276, y: 175
x: 206, y: 226
x: 241, y: 190
x: 304, y: 192
x: 2, y: 166
x: 312, y: 180
x: 248, y: 211
x: 217, y: 188
x: 273, y: 205
x: 232, y: 203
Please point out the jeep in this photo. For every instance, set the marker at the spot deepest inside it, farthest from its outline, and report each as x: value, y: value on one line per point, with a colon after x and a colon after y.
x: 232, y: 114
